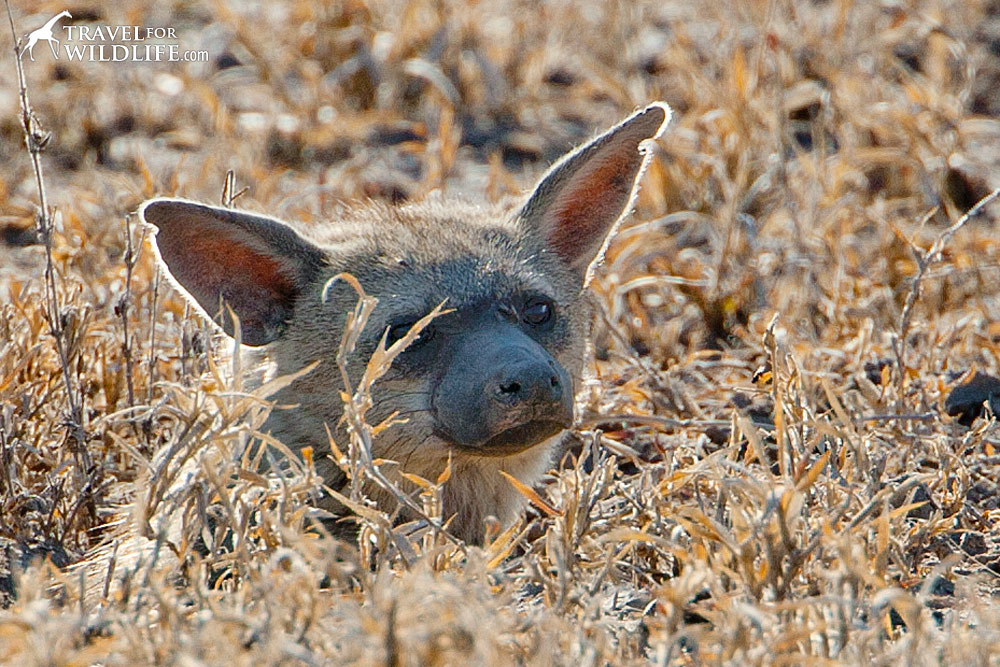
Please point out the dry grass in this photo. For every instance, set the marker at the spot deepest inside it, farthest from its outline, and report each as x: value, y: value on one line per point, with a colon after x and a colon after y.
x: 775, y: 480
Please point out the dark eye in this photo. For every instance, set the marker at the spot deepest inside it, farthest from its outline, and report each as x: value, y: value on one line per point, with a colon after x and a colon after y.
x: 397, y: 331
x: 538, y: 312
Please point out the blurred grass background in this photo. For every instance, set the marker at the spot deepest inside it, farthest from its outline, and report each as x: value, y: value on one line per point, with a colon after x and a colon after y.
x: 767, y: 507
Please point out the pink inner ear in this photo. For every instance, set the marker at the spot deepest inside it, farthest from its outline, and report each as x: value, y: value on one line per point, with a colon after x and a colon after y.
x: 230, y: 263
x: 578, y: 203
x: 257, y: 285
x: 241, y: 272
x: 592, y: 200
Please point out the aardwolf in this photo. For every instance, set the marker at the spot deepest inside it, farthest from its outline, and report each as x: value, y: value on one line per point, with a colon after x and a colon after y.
x: 491, y: 382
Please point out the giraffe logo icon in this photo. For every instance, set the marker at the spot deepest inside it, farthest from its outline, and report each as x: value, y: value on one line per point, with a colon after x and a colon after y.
x: 45, y: 32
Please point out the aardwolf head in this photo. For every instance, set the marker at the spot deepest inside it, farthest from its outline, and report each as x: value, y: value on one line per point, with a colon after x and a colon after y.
x: 492, y: 381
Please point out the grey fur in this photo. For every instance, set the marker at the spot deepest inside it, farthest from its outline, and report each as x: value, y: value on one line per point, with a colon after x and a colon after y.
x: 411, y: 258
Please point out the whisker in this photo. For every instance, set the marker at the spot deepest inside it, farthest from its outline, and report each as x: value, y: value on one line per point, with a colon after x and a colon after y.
x: 411, y: 393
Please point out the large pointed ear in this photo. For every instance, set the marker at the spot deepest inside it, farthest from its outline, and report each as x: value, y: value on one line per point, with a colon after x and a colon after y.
x: 254, y: 264
x: 578, y: 203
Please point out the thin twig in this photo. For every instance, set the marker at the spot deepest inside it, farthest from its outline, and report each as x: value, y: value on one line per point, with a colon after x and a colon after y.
x: 359, y: 400
x: 122, y: 307
x: 920, y: 416
x: 229, y: 191
x: 591, y: 421
x: 36, y: 139
x: 924, y: 261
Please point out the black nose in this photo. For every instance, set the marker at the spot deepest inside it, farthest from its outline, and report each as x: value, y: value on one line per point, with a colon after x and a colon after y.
x: 534, y: 382
x: 501, y: 392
